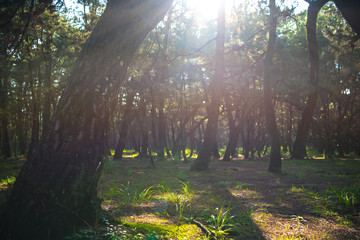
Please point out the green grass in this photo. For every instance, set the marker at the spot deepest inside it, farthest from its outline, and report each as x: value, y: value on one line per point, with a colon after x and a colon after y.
x: 170, y: 231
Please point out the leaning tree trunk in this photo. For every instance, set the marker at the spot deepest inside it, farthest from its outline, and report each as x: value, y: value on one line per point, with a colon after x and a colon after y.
x: 299, y: 150
x: 203, y: 159
x: 275, y: 156
x: 56, y: 189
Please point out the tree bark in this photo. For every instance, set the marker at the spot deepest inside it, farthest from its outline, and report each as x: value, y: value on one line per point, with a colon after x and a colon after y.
x: 56, y: 190
x: 275, y: 156
x: 203, y: 159
x: 299, y: 150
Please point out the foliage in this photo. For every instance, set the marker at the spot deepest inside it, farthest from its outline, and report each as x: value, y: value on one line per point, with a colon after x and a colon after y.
x: 348, y: 197
x: 8, y: 180
x: 136, y: 194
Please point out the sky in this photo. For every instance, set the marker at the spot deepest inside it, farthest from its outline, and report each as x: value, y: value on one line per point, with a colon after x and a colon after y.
x: 208, y: 8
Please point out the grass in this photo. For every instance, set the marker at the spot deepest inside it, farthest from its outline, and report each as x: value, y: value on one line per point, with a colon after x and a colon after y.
x: 161, y: 230
x: 220, y: 222
x: 348, y: 197
x: 311, y: 199
x: 6, y: 182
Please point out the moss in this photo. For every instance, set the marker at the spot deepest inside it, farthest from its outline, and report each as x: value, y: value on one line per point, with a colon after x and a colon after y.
x: 184, y: 231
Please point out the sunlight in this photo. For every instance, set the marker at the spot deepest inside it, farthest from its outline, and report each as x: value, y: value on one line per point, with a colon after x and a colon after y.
x: 206, y: 9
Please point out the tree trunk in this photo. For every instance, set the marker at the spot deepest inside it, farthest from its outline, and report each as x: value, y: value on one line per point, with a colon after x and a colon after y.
x: 47, y: 84
x: 34, y: 110
x: 153, y: 120
x: 56, y: 190
x: 275, y: 156
x: 125, y: 124
x: 203, y: 159
x: 144, y: 131
x: 231, y: 146
x: 299, y: 150
x: 215, y: 150
x: 350, y: 10
x: 162, y: 78
x: 289, y: 131
x: 4, y: 89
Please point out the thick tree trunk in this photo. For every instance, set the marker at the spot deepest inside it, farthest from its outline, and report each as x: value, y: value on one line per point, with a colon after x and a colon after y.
x: 56, y: 189
x: 275, y: 156
x: 203, y: 159
x: 299, y: 150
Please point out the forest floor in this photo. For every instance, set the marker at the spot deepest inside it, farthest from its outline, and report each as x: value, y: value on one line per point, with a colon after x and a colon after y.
x: 310, y: 199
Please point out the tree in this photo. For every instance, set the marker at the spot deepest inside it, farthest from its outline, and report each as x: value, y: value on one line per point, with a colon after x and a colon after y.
x: 129, y: 116
x: 350, y: 11
x: 202, y: 161
x: 299, y: 150
x: 56, y: 189
x: 275, y: 156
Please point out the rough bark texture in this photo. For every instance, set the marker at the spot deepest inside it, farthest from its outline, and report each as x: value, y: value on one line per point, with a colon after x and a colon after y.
x: 299, y: 150
x: 275, y: 156
x: 202, y: 161
x: 56, y: 189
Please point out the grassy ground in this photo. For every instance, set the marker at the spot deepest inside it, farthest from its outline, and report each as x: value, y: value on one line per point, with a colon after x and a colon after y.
x: 311, y: 199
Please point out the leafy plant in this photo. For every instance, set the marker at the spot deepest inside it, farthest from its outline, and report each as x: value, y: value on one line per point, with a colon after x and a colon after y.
x: 220, y: 222
x: 131, y: 194
x: 186, y: 190
x: 180, y: 207
x: 8, y: 181
x: 347, y: 197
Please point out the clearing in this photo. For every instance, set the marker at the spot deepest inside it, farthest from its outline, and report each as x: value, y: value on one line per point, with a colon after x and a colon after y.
x: 311, y: 199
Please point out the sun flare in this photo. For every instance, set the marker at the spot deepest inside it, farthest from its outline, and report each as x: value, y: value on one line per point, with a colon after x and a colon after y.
x: 206, y: 9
